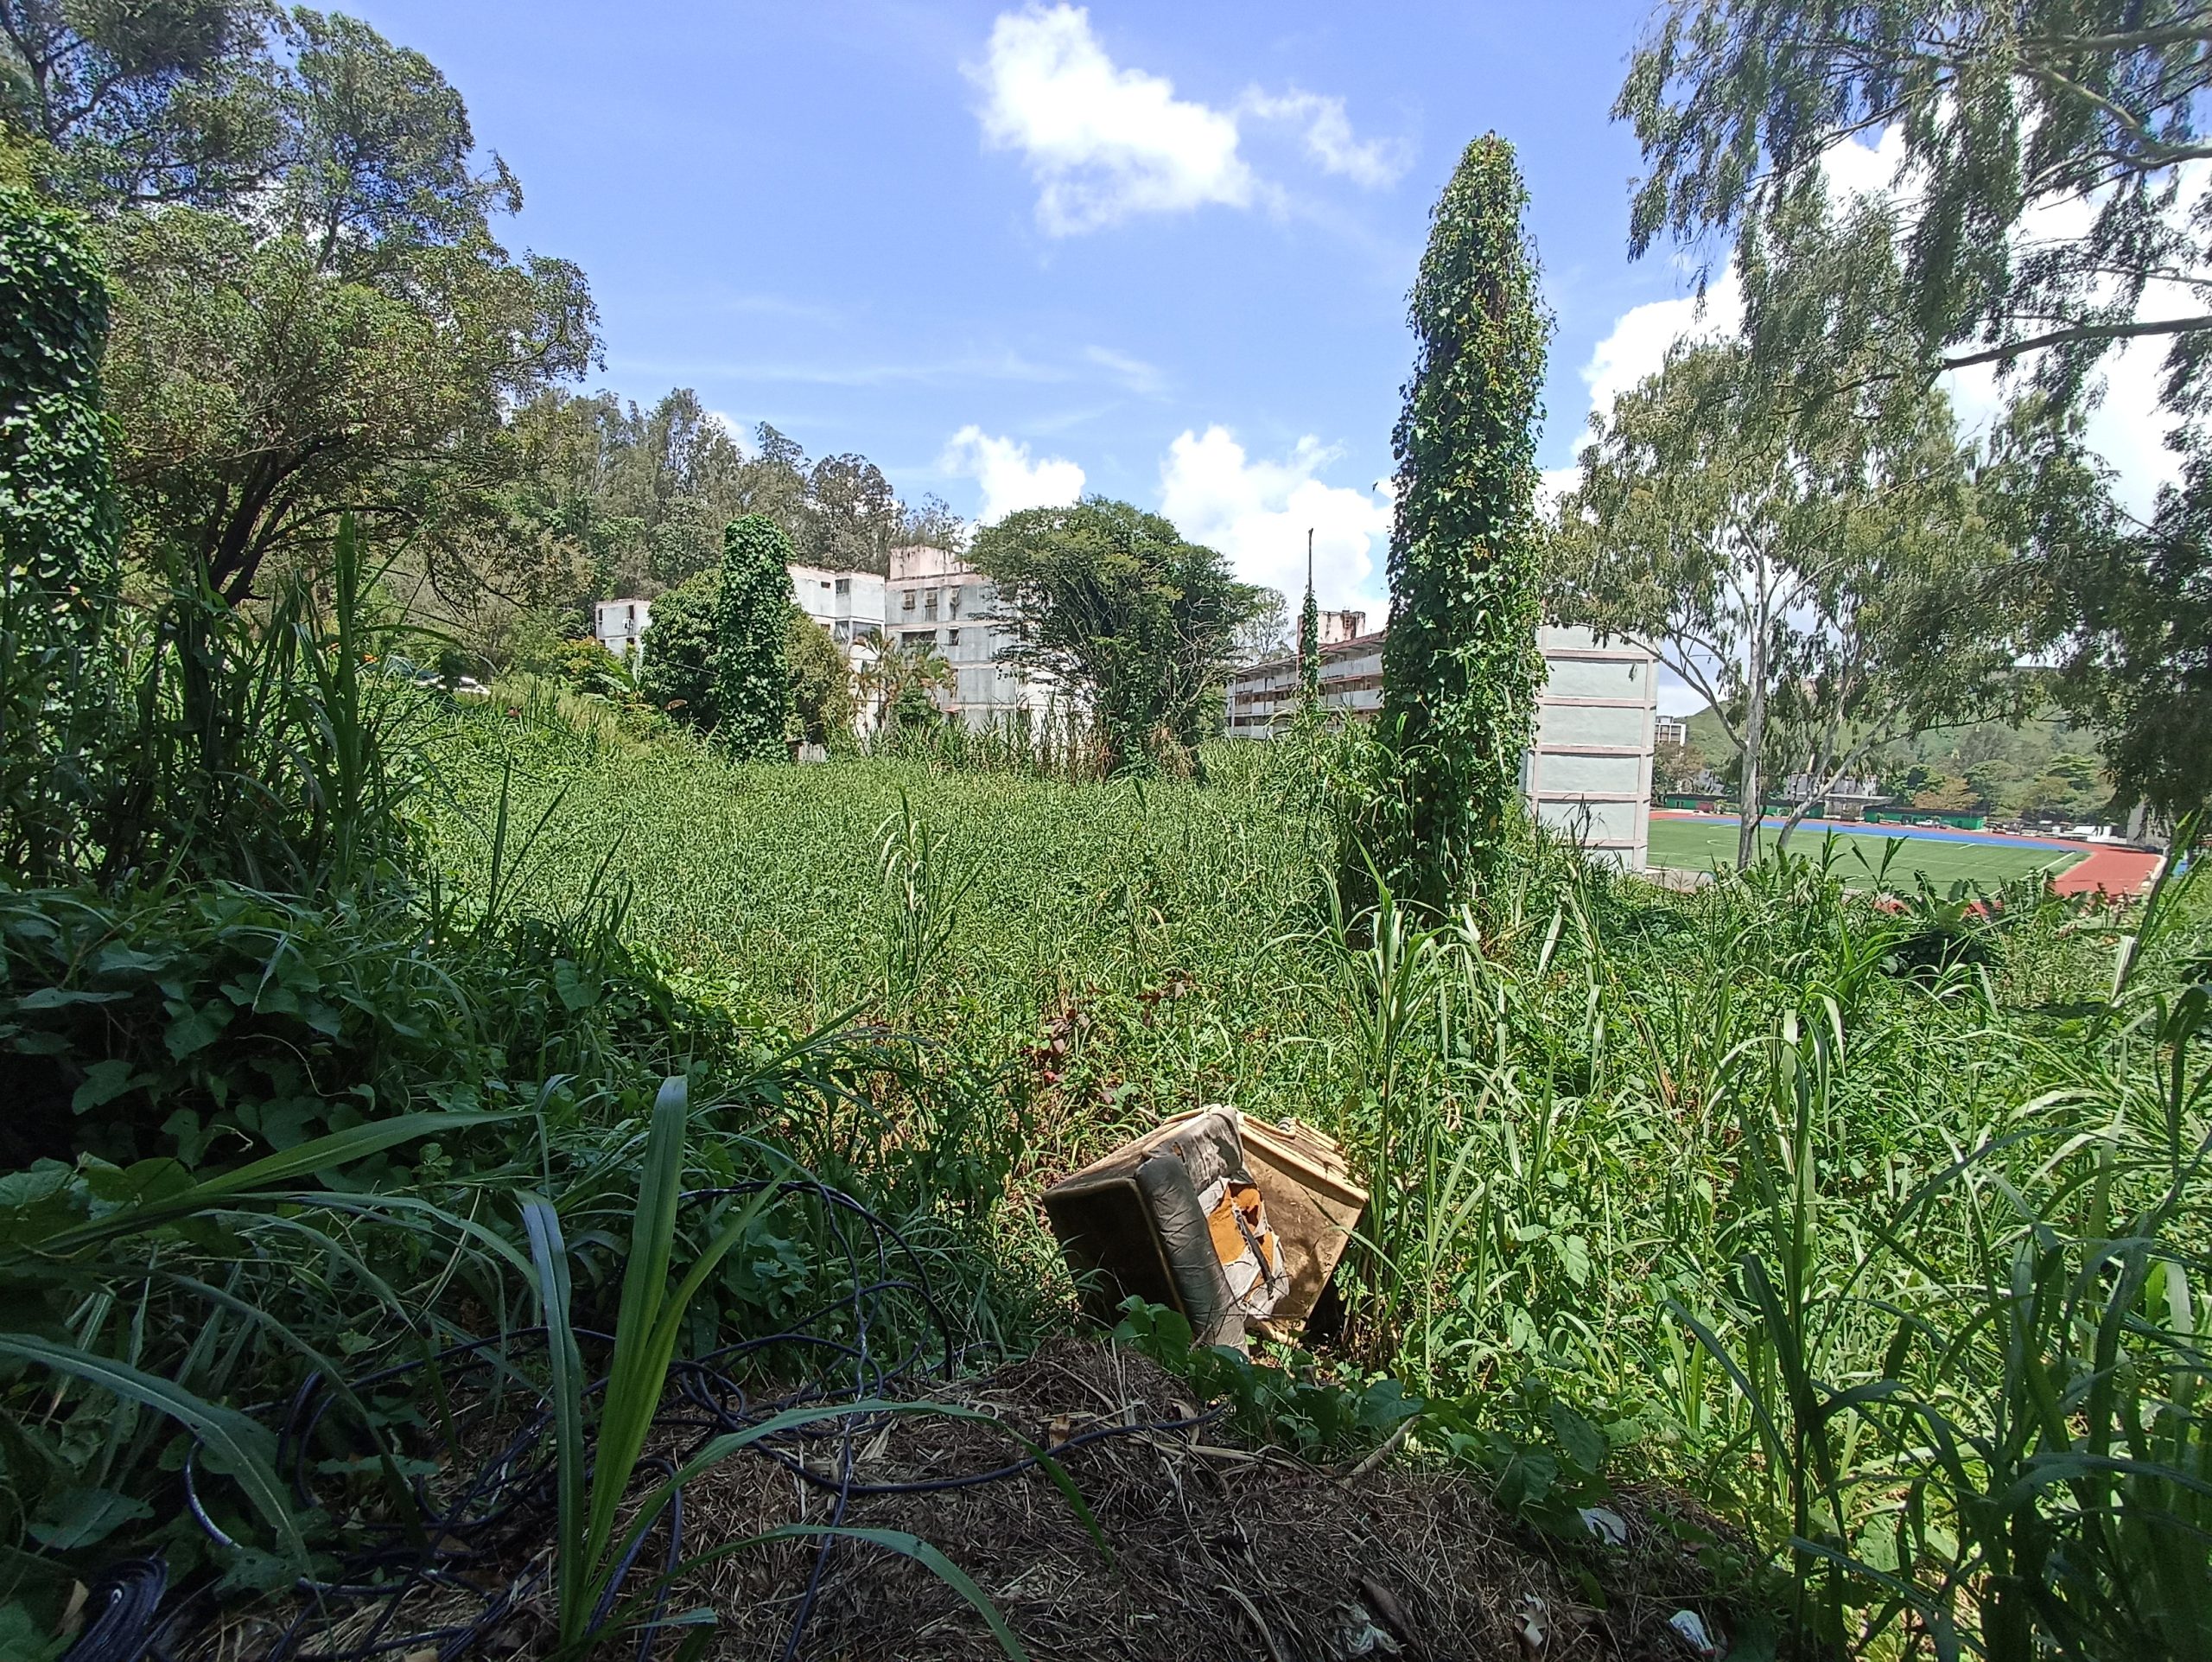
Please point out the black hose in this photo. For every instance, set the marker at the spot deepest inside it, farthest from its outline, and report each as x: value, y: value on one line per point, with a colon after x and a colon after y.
x: 123, y: 1603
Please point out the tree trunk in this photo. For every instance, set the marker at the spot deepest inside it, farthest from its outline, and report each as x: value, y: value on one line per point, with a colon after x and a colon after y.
x: 1752, y: 788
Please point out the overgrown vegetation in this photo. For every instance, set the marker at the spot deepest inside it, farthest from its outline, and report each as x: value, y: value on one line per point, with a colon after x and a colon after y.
x: 1460, y: 670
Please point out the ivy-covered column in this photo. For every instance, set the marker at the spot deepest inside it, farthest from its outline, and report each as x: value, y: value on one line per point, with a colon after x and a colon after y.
x: 753, y: 682
x: 58, y: 528
x: 1461, y: 672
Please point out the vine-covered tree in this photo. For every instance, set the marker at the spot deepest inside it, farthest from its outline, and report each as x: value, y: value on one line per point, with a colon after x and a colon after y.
x: 1460, y: 669
x: 752, y: 682
x: 57, y: 524
x: 1309, y: 641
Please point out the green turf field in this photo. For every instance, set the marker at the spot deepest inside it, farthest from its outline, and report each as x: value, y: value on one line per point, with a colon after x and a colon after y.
x: 1694, y: 845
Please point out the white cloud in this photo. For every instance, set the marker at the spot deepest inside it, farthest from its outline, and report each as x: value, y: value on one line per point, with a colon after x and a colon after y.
x: 1638, y: 343
x: 1133, y: 373
x: 1257, y: 513
x: 1105, y: 143
x: 1009, y: 478
x: 1373, y: 162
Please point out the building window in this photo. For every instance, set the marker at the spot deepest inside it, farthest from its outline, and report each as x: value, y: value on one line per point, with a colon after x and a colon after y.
x: 952, y: 636
x: 929, y: 603
x: 844, y: 585
x: 907, y: 602
x: 843, y: 632
x: 920, y: 637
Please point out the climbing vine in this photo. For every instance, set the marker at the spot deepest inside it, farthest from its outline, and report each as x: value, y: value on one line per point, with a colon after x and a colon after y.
x: 752, y: 681
x: 1461, y: 672
x: 57, y: 526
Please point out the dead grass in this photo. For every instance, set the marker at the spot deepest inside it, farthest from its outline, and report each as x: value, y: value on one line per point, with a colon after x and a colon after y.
x: 1217, y: 1552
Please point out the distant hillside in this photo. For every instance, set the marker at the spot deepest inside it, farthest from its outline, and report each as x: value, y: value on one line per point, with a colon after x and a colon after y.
x: 2044, y: 767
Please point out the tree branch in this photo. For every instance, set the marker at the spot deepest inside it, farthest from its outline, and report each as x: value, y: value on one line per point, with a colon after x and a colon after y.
x: 2080, y: 332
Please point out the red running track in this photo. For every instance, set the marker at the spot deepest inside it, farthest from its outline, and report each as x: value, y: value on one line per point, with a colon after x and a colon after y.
x: 2124, y: 874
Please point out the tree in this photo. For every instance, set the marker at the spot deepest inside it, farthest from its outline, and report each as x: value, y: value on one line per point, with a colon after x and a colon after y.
x: 900, y: 679
x: 1460, y: 669
x: 1266, y: 633
x: 311, y: 314
x: 675, y: 659
x: 753, y: 682
x: 1112, y: 601
x: 1823, y: 576
x: 2041, y: 221
x: 57, y: 527
x: 822, y: 681
x: 852, y: 516
x: 2004, y: 111
x: 162, y: 102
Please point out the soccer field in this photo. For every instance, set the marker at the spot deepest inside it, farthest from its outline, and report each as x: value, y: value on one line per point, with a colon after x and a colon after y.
x: 1693, y: 844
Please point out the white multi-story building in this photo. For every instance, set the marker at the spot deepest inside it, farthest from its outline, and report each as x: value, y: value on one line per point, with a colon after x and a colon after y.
x: 1590, y: 771
x: 935, y: 599
x: 619, y: 625
x: 849, y: 604
x: 1670, y: 730
x: 930, y: 598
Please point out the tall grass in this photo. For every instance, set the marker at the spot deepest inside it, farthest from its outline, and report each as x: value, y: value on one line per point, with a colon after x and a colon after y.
x: 1880, y: 1224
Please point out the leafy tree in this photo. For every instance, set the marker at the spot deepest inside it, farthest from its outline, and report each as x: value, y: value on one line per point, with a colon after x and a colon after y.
x: 311, y: 314
x: 822, y: 681
x: 853, y: 516
x: 1460, y: 669
x: 2004, y: 111
x: 900, y: 679
x: 1266, y: 633
x: 753, y: 682
x: 1112, y: 601
x: 1823, y: 580
x: 2045, y: 150
x: 160, y: 102
x: 675, y: 659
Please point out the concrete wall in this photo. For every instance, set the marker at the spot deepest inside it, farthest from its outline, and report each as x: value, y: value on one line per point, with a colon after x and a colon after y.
x: 1590, y: 771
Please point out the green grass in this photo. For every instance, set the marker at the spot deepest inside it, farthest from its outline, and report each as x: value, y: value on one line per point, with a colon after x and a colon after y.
x: 1696, y: 1164
x: 1693, y: 845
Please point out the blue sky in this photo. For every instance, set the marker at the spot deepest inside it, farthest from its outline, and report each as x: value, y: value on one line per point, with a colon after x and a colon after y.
x: 1156, y: 250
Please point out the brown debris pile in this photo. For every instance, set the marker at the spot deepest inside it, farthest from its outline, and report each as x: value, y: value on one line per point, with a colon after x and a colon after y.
x: 1218, y: 1553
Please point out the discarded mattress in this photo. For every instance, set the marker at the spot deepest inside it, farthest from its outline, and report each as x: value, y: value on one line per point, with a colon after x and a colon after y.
x: 1228, y: 1219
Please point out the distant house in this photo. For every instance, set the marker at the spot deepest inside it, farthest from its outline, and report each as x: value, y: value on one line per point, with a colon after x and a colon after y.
x: 1589, y: 773
x: 1670, y: 730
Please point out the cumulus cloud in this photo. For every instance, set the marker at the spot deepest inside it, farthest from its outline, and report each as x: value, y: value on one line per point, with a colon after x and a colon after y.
x: 1373, y: 162
x: 1257, y: 512
x: 1105, y: 143
x: 1010, y: 478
